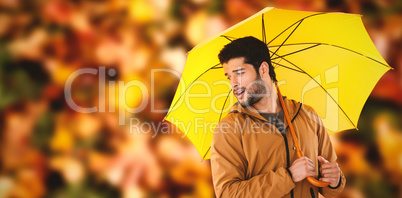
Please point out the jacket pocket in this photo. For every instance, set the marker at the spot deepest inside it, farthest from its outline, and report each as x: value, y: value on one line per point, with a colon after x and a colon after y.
x: 312, y: 193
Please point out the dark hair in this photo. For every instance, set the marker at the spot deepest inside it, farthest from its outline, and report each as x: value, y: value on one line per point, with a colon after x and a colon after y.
x: 252, y: 49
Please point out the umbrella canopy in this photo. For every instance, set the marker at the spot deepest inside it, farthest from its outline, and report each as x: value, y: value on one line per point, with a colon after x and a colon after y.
x: 325, y: 60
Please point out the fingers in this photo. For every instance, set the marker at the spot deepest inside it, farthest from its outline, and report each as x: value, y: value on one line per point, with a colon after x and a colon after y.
x: 304, y: 159
x: 328, y: 170
x: 301, y: 168
x: 322, y: 160
x: 310, y: 174
x: 330, y: 175
x: 332, y: 181
x: 329, y: 180
x: 304, y: 167
x: 329, y: 166
x: 310, y: 167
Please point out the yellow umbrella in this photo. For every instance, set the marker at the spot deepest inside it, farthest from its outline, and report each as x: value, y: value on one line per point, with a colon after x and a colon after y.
x: 325, y: 60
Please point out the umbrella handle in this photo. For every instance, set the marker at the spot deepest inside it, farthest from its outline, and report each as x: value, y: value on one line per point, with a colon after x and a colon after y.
x: 317, y: 182
x: 299, y: 152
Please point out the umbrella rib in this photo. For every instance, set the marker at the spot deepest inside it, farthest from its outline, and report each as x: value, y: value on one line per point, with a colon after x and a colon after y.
x: 264, y: 32
x: 296, y: 51
x: 217, y: 67
x: 230, y: 38
x: 294, y: 24
x: 322, y: 89
x: 220, y: 116
x: 289, y: 68
x: 264, y: 36
x: 213, y: 67
x: 219, y: 121
x: 287, y: 37
x: 333, y: 46
x: 226, y: 37
x: 206, y: 153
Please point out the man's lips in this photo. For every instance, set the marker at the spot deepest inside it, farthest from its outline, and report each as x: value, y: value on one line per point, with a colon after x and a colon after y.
x: 239, y: 94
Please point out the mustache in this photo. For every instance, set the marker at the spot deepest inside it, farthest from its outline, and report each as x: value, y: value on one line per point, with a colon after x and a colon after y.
x: 239, y: 88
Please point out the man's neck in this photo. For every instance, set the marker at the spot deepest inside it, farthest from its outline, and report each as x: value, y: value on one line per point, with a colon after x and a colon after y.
x: 269, y: 103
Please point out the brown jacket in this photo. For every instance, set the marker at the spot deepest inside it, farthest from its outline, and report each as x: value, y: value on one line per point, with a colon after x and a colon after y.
x: 250, y: 157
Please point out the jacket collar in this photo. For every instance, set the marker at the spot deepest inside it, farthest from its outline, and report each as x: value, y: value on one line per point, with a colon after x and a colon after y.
x: 291, y: 106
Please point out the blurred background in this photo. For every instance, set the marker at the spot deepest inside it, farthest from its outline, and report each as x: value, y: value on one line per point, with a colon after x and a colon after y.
x: 49, y: 150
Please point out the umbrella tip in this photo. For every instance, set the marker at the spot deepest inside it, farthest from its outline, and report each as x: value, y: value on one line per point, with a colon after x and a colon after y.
x: 356, y: 128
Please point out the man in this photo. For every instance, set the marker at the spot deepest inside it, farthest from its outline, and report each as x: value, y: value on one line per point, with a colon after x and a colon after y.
x: 252, y: 152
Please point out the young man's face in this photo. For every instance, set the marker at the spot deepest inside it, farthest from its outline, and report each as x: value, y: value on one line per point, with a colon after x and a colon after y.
x: 246, y: 84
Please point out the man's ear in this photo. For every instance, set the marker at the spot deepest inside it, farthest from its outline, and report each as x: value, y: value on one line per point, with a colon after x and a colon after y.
x: 264, y: 69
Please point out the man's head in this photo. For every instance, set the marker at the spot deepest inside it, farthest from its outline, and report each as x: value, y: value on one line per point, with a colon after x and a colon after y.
x: 247, y: 65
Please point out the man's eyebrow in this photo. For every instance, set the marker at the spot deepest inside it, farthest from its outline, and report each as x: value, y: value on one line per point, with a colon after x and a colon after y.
x: 236, y: 70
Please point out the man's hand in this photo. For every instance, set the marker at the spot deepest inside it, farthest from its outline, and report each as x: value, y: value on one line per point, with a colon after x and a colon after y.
x: 302, y: 168
x: 330, y: 172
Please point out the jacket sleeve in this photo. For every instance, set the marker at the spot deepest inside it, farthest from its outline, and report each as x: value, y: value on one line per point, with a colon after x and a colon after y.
x: 229, y: 167
x: 326, y: 150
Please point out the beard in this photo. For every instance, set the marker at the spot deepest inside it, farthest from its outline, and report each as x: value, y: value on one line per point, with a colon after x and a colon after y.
x: 255, y: 92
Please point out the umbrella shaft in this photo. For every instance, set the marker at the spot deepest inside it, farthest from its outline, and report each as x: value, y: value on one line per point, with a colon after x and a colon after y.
x: 299, y: 152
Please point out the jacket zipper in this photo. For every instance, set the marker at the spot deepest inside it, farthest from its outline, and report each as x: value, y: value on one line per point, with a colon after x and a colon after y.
x: 287, y: 144
x: 286, y: 140
x: 287, y: 157
x: 312, y: 193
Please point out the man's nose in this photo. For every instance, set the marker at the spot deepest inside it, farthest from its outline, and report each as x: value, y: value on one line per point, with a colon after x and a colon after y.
x: 234, y: 83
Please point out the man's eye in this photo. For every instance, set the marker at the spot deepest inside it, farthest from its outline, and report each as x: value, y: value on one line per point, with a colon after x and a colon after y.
x: 240, y: 73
